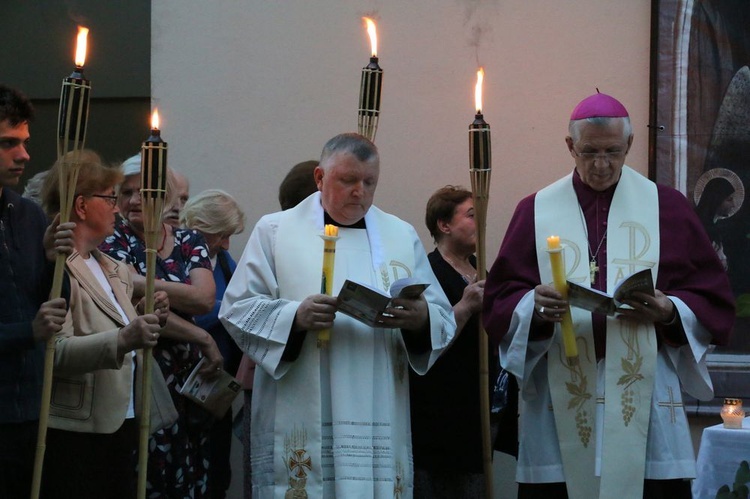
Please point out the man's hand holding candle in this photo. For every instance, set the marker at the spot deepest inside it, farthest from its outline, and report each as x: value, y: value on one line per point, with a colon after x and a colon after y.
x: 549, y: 304
x: 315, y: 313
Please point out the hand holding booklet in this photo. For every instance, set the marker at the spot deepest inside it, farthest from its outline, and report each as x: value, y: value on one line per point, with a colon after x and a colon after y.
x: 216, y: 394
x: 365, y: 303
x: 600, y: 302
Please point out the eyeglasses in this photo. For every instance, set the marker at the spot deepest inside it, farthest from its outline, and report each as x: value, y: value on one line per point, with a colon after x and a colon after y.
x: 593, y: 156
x: 111, y: 200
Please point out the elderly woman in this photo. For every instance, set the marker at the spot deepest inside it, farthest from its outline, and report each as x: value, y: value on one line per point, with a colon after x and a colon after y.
x: 98, y: 354
x: 445, y: 415
x: 217, y: 216
x: 180, y: 458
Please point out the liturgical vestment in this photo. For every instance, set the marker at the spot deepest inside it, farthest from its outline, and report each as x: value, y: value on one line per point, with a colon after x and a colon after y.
x: 689, y: 274
x: 334, y: 422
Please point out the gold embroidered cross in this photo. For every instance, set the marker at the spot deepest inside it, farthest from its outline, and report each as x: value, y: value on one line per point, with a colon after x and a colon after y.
x: 671, y: 405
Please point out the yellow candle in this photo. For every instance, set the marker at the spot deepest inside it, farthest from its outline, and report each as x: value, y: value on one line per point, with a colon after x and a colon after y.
x: 330, y: 236
x: 558, y: 276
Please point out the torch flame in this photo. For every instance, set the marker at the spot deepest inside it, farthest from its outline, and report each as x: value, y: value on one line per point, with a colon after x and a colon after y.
x: 155, y: 120
x: 478, y: 90
x: 81, y: 46
x: 373, y: 35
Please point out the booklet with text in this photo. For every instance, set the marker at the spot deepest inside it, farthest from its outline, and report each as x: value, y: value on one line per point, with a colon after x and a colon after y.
x: 365, y: 303
x: 601, y: 303
x: 216, y: 394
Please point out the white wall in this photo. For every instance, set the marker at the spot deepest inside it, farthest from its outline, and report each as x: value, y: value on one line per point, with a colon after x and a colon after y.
x: 246, y: 89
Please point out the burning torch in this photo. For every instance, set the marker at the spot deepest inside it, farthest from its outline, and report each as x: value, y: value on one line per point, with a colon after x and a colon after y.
x: 71, y: 134
x: 153, y: 192
x: 480, y: 167
x: 370, y: 88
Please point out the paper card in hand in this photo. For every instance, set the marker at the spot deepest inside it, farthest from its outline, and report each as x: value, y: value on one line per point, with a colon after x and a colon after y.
x: 216, y: 394
x: 600, y: 302
x: 365, y: 303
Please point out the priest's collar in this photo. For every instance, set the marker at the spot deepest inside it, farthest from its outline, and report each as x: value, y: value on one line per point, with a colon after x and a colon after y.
x: 581, y: 188
x: 356, y: 225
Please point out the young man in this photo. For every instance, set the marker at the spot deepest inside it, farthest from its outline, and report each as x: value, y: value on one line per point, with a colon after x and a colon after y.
x: 27, y: 320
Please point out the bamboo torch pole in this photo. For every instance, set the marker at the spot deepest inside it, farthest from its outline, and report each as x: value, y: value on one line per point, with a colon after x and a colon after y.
x: 480, y: 164
x: 71, y: 136
x: 153, y: 191
x: 370, y: 88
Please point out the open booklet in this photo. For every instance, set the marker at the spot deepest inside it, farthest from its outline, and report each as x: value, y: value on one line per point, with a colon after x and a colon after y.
x: 600, y: 302
x: 365, y: 303
x: 216, y: 394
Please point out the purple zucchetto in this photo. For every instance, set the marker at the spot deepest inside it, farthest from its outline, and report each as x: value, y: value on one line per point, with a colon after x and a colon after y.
x: 599, y: 106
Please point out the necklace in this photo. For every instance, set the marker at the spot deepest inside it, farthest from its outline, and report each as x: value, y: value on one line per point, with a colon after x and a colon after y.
x: 468, y: 278
x: 593, y: 267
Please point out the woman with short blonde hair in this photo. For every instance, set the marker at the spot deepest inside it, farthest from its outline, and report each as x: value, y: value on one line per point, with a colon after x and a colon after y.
x: 217, y: 216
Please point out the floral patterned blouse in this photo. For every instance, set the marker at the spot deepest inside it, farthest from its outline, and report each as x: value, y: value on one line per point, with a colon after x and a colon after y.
x: 189, y: 252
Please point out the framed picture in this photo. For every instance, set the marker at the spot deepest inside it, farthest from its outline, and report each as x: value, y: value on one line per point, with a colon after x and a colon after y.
x: 700, y: 142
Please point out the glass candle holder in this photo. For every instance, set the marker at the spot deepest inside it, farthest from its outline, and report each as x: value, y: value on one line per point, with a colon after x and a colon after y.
x: 732, y: 413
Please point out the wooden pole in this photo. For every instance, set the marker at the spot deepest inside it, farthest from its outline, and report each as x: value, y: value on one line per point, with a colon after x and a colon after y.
x: 153, y: 192
x: 145, y: 421
x: 72, y: 118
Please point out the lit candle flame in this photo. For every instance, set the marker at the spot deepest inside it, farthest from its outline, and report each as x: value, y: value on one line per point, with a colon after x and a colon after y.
x: 155, y: 120
x: 81, y: 46
x: 373, y: 35
x: 478, y: 90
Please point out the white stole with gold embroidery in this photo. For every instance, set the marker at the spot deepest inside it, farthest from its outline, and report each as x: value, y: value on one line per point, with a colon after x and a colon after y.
x: 632, y: 245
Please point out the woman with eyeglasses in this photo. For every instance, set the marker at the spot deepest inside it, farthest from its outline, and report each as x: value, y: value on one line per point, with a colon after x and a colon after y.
x: 179, y: 455
x: 96, y: 397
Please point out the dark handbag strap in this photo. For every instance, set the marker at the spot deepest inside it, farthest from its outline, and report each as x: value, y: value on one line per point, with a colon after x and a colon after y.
x: 223, y: 262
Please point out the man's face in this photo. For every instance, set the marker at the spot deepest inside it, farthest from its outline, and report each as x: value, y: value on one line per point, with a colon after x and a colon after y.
x: 181, y: 195
x: 347, y: 186
x: 600, y: 153
x: 14, y: 142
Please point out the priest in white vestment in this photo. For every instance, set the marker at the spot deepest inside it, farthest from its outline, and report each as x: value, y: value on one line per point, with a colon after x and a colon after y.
x: 332, y: 419
x: 609, y: 421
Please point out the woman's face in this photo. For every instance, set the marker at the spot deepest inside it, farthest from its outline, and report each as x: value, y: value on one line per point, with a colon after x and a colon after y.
x: 100, y: 214
x: 216, y: 242
x: 461, y: 230
x: 129, y: 201
x: 726, y: 206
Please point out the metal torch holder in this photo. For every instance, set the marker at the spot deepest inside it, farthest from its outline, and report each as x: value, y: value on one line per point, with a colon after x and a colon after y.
x: 369, y: 99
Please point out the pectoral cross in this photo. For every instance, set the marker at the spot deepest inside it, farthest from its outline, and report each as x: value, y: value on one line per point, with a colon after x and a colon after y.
x: 593, y: 269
